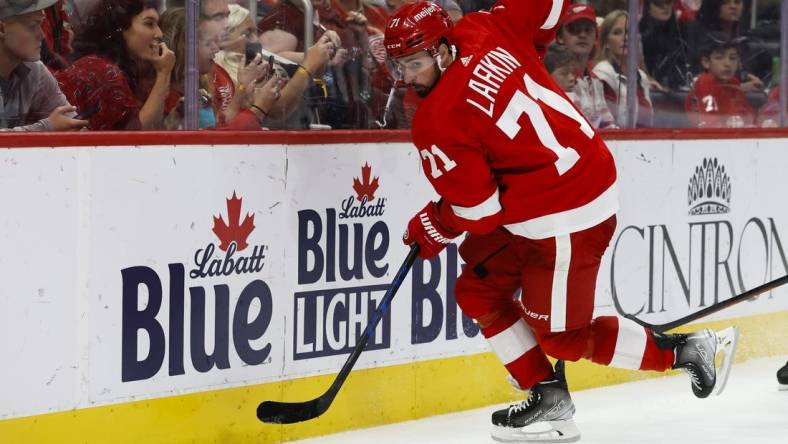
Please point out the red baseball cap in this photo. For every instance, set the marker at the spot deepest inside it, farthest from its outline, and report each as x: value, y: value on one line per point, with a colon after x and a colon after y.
x: 578, y: 12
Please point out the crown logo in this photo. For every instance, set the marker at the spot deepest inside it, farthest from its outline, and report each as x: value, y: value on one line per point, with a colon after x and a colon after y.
x: 233, y: 231
x: 709, y: 189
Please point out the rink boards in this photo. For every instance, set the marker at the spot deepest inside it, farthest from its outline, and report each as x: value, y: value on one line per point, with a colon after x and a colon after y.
x: 166, y: 290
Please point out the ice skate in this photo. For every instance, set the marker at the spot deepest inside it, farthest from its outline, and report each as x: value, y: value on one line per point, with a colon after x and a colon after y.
x: 696, y: 354
x: 782, y: 377
x: 544, y: 417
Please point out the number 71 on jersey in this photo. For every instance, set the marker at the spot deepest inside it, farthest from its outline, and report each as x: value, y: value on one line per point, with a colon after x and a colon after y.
x: 526, y: 103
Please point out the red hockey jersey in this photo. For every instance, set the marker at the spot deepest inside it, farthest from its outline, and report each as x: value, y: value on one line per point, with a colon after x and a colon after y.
x: 712, y: 103
x: 499, y: 140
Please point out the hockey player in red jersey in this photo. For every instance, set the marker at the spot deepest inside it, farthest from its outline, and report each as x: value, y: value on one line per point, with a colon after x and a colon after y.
x: 527, y: 177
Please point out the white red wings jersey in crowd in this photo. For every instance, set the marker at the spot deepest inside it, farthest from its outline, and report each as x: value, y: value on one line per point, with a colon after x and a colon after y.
x: 500, y: 141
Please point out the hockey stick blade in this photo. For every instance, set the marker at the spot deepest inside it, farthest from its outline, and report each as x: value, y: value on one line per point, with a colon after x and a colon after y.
x: 276, y: 412
x: 747, y: 295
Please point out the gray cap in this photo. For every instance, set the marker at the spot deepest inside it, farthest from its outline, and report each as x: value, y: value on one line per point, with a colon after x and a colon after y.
x: 9, y: 8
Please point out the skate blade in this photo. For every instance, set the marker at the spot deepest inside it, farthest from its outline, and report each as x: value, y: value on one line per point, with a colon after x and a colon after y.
x: 540, y: 433
x: 782, y: 387
x: 726, y: 345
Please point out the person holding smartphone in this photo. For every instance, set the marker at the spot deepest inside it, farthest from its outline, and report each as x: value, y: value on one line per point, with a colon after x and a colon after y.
x: 31, y: 99
x: 241, y: 56
x: 224, y: 106
x: 241, y: 34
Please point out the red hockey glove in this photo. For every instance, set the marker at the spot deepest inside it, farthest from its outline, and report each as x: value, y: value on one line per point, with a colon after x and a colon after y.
x: 426, y: 230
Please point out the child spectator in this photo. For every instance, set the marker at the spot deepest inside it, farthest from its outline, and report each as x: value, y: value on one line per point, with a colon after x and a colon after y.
x: 585, y: 92
x: 119, y: 41
x: 725, y: 16
x: 611, y: 68
x: 30, y: 99
x: 717, y: 99
x: 563, y: 68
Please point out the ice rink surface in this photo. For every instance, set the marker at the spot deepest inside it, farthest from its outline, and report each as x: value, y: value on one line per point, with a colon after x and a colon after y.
x: 655, y: 411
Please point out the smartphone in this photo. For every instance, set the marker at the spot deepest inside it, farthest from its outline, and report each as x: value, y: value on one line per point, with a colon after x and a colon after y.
x: 270, y: 66
x: 85, y: 114
x: 253, y: 49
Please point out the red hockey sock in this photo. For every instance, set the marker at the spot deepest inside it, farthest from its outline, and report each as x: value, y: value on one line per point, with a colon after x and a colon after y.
x: 609, y: 340
x: 515, y: 344
x: 619, y: 342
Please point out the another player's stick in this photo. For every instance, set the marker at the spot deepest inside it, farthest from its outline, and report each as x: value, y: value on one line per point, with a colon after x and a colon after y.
x: 749, y: 294
x: 276, y: 412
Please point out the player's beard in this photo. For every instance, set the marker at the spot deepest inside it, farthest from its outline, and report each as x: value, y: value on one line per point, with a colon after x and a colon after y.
x: 424, y: 91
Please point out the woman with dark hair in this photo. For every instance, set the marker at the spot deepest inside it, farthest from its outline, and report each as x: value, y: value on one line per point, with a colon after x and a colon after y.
x: 664, y: 41
x: 119, y: 42
x: 722, y: 16
x: 713, y: 15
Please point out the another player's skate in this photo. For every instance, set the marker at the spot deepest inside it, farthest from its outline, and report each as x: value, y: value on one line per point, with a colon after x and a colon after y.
x: 782, y: 377
x: 696, y: 354
x: 544, y: 417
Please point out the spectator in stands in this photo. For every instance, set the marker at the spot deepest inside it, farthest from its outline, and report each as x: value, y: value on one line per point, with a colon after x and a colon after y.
x: 222, y: 105
x: 368, y: 79
x: 282, y: 31
x: 450, y: 6
x: 374, y: 79
x: 30, y: 99
x: 120, y: 41
x: 717, y: 99
x: 58, y: 37
x: 585, y: 92
x: 215, y: 10
x: 577, y: 32
x: 563, y: 68
x: 241, y: 32
x: 714, y: 15
x: 611, y: 68
x: 664, y: 41
x: 216, y: 82
x: 686, y: 10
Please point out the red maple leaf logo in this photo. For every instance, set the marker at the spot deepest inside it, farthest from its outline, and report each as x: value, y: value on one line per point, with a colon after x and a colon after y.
x: 365, y: 187
x: 233, y: 232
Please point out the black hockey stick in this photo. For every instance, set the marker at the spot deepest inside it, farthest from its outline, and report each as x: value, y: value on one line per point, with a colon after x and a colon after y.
x: 749, y: 294
x: 276, y: 412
